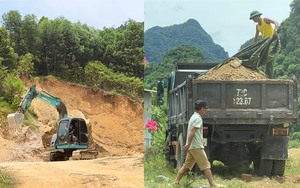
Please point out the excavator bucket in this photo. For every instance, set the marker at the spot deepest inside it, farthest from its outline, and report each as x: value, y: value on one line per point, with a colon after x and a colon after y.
x: 15, y: 120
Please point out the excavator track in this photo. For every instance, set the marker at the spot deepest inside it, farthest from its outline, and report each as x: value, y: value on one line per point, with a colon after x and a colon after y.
x: 57, y: 155
x: 60, y: 155
x: 84, y: 155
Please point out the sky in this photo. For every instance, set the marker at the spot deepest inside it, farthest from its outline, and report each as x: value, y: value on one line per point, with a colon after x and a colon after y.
x: 95, y: 13
x: 226, y: 21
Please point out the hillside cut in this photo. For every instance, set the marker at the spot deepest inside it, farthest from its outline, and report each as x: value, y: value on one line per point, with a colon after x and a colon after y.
x: 233, y: 70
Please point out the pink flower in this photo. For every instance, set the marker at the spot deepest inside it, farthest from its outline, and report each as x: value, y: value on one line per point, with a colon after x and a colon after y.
x: 152, y: 125
x: 145, y: 61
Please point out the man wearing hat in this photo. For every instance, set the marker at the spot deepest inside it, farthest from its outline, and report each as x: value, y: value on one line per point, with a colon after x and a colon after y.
x: 263, y: 25
x: 195, y: 147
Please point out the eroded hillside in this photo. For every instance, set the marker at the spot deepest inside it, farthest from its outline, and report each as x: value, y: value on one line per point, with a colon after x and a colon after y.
x: 116, y: 122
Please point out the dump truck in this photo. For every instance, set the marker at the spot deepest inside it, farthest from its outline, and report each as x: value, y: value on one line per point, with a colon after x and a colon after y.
x: 71, y: 138
x: 247, y: 121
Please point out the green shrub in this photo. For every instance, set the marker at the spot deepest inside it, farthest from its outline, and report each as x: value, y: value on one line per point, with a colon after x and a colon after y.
x: 13, y: 88
x: 98, y: 76
x: 6, y: 180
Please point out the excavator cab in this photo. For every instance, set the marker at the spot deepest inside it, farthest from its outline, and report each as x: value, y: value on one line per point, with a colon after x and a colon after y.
x: 71, y: 140
x: 72, y: 134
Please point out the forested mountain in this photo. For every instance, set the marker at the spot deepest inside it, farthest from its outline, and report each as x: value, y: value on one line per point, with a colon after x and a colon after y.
x: 181, y: 54
x: 109, y: 59
x: 158, y: 40
x: 288, y: 60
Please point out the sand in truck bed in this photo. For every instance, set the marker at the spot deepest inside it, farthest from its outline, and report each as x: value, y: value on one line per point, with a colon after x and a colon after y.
x: 233, y: 70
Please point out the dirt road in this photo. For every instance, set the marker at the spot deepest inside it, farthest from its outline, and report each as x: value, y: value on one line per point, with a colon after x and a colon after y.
x: 125, y: 171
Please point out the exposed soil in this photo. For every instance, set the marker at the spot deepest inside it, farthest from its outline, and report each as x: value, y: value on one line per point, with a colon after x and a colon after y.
x: 233, y: 70
x: 115, y: 121
x: 115, y: 129
x: 125, y: 171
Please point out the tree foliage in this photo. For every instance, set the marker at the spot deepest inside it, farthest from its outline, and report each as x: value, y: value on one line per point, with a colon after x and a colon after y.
x: 98, y: 76
x: 8, y: 57
x: 183, y: 53
x: 26, y: 66
x: 61, y: 48
x: 12, y: 89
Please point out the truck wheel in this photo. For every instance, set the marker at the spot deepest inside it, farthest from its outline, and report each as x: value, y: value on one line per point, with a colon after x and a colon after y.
x: 180, y: 153
x: 171, y: 164
x: 263, y: 167
x: 169, y: 154
x: 278, y: 167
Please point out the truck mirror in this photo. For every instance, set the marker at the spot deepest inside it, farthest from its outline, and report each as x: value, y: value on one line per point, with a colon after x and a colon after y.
x: 160, y: 93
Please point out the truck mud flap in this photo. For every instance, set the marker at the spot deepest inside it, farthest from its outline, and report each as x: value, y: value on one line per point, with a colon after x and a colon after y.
x: 275, y: 148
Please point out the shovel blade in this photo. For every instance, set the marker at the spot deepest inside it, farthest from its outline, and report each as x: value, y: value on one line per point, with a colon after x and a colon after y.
x: 15, y: 120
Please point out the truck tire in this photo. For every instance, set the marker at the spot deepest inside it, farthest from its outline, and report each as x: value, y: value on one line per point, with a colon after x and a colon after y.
x: 180, y: 153
x: 278, y: 167
x: 170, y: 162
x: 263, y: 167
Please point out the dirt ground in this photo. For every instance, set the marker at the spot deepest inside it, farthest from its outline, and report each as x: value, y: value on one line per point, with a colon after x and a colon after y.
x: 115, y: 127
x: 103, y: 172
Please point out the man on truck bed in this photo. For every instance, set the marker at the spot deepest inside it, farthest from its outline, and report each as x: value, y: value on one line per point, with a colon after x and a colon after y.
x: 195, y: 147
x: 265, y: 28
x: 263, y: 25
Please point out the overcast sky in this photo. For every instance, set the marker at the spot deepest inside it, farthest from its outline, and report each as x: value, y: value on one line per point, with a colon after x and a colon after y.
x: 94, y: 13
x: 226, y: 21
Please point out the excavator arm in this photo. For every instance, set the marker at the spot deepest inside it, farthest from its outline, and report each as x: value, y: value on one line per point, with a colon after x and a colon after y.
x: 15, y: 120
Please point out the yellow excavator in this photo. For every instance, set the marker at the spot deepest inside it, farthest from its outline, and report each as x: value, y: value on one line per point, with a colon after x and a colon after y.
x: 71, y: 138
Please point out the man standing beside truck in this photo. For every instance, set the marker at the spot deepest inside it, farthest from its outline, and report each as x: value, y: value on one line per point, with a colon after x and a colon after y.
x: 195, y: 146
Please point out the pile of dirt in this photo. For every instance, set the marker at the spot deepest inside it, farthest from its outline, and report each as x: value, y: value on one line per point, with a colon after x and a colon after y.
x: 22, y: 144
x: 233, y: 70
x: 115, y: 122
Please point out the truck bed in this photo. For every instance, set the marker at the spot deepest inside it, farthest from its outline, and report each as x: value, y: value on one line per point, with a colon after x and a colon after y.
x: 247, y: 102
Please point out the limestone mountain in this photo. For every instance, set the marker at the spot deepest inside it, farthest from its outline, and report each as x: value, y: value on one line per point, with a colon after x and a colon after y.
x: 159, y: 40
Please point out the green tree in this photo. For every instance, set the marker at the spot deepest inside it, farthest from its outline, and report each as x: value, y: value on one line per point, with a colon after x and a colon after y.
x: 7, y: 55
x: 295, y: 8
x: 13, y: 88
x: 29, y: 34
x: 183, y: 53
x: 26, y: 66
x: 13, y: 22
x: 130, y: 49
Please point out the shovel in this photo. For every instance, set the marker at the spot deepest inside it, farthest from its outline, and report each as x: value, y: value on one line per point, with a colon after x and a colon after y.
x: 15, y: 120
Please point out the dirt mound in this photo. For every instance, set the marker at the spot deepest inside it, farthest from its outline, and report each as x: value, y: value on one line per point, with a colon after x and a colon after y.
x: 233, y: 70
x: 22, y: 144
x: 115, y: 122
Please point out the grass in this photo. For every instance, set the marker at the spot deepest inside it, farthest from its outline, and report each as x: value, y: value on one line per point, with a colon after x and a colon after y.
x: 158, y: 175
x: 6, y: 180
x: 294, y: 142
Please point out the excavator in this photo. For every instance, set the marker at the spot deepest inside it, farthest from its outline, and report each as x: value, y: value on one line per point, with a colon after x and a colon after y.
x: 71, y: 138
